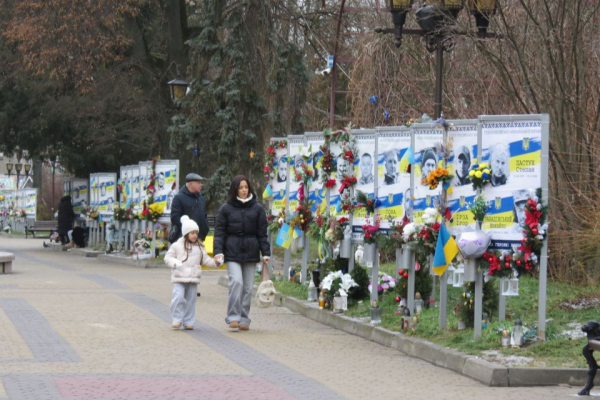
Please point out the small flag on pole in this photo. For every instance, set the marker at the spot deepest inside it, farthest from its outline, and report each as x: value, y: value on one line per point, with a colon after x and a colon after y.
x: 407, y: 159
x: 284, y: 238
x: 268, y: 191
x: 445, y: 251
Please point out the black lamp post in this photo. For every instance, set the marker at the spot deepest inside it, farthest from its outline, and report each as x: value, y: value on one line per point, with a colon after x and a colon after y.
x: 53, y: 163
x: 18, y: 168
x: 433, y: 19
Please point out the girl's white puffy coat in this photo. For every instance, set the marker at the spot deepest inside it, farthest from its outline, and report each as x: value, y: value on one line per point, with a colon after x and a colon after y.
x: 190, y: 270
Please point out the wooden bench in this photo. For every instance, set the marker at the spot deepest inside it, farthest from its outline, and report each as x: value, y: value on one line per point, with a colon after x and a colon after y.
x: 6, y: 260
x: 41, y: 226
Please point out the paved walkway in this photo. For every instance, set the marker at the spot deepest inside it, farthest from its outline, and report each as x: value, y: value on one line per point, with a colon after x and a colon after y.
x: 79, y: 328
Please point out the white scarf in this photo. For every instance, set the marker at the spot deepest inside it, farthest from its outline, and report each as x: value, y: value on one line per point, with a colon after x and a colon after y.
x: 247, y: 199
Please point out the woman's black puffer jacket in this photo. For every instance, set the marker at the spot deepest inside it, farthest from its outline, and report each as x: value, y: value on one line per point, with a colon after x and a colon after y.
x: 241, y: 232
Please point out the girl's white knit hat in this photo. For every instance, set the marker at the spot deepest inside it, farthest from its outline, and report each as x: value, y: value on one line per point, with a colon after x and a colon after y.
x: 188, y: 225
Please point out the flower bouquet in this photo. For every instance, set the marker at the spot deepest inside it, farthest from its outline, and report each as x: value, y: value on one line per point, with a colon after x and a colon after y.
x: 302, y: 217
x: 396, y: 231
x: 480, y: 174
x: 479, y: 208
x: 23, y: 213
x: 384, y: 284
x: 364, y: 201
x: 436, y: 176
x: 155, y: 210
x: 276, y: 222
x: 372, y: 233
x: 337, y: 283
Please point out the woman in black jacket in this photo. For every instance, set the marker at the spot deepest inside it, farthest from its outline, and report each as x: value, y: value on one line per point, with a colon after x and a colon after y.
x: 240, y: 238
x: 66, y: 216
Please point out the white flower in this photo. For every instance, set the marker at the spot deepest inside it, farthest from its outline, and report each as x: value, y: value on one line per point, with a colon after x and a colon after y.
x: 539, y: 237
x: 429, y: 221
x: 306, y: 152
x: 280, y: 221
x: 409, y: 229
x: 430, y: 211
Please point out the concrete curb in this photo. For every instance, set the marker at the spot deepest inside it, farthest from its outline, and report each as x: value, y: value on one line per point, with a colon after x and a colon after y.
x: 130, y: 261
x: 474, y: 367
x: 86, y: 253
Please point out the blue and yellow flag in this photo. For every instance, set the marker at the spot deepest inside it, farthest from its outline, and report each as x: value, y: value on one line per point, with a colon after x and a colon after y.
x: 407, y: 159
x: 284, y: 238
x: 445, y: 251
x: 268, y: 191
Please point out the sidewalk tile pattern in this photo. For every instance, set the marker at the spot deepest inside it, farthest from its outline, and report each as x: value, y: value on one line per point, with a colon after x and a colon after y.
x: 131, y: 387
x: 260, y: 365
x: 45, y: 344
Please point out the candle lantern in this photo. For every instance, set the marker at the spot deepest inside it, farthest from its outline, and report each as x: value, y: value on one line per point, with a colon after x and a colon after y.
x: 337, y: 303
x: 485, y: 320
x: 344, y: 297
x: 321, y: 300
x: 505, y: 338
x: 414, y: 323
x: 406, y: 319
x: 418, y: 303
x: 458, y: 275
x: 517, y: 334
x: 509, y: 286
x: 450, y: 274
x: 312, y: 291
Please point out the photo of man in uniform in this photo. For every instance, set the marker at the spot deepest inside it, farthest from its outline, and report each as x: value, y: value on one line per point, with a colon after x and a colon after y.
x: 282, y: 169
x: 366, y: 169
x: 171, y: 195
x: 429, y: 162
x: 103, y: 190
x: 520, y: 198
x: 391, y: 167
x: 161, y: 181
x: 462, y: 164
x: 342, y: 167
x: 499, y: 162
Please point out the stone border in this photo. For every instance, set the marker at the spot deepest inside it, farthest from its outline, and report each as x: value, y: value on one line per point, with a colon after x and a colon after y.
x: 130, y: 261
x: 473, y: 367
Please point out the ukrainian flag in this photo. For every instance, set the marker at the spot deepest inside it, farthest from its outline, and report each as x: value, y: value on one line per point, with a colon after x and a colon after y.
x: 445, y: 251
x: 407, y: 159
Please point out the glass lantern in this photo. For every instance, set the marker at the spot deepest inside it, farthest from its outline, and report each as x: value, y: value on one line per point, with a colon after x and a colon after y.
x: 509, y: 286
x: 458, y: 275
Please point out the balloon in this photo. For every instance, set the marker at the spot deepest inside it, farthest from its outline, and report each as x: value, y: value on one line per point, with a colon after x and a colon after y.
x: 472, y: 244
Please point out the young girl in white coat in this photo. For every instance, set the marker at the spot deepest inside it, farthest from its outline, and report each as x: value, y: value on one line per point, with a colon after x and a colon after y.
x: 186, y: 257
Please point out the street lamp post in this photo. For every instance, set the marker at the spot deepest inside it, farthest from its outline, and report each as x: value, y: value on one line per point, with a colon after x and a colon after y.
x: 433, y: 20
x: 53, y: 163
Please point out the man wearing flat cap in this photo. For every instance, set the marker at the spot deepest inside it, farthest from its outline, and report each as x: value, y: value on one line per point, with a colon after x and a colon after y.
x: 189, y: 202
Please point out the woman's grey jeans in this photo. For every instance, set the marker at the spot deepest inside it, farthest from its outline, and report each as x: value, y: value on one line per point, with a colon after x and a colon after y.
x: 241, y: 282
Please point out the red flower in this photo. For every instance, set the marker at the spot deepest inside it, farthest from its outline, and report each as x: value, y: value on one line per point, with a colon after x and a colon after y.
x: 330, y: 183
x: 282, y: 144
x: 154, y: 160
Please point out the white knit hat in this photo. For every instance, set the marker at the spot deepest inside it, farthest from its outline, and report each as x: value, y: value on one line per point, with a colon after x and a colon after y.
x: 188, y: 225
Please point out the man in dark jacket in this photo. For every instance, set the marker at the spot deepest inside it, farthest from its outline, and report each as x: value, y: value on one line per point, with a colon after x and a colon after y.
x: 66, y: 216
x: 189, y: 202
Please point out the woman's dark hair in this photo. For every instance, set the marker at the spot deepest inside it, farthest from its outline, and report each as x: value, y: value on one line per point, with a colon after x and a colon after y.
x: 235, y: 185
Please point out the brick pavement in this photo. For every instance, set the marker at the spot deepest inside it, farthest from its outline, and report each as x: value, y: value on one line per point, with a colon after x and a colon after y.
x: 80, y: 328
